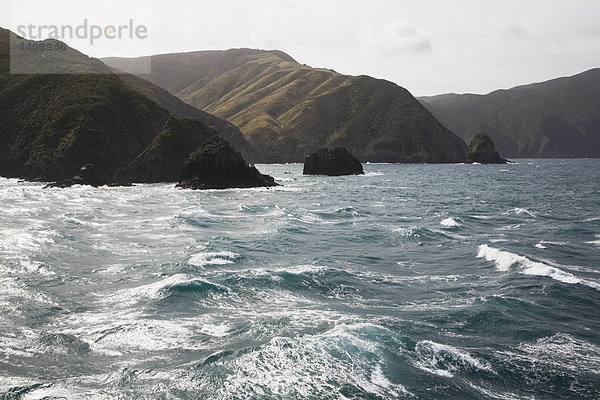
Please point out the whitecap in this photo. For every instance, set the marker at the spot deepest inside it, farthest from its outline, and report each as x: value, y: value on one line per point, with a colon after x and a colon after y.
x: 369, y: 174
x: 484, y: 217
x: 504, y: 260
x: 444, y: 360
x: 216, y: 330
x: 540, y: 246
x: 509, y: 227
x: 565, y: 351
x: 213, y: 258
x: 11, y: 289
x: 152, y: 335
x: 157, y: 290
x: 545, y: 242
x: 595, y: 242
x: 521, y: 211
x: 311, y: 366
x: 450, y: 223
x: 301, y: 269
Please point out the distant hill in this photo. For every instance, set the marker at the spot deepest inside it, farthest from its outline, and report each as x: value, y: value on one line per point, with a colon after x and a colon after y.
x: 557, y: 118
x: 178, y: 107
x: 52, y: 124
x: 287, y: 110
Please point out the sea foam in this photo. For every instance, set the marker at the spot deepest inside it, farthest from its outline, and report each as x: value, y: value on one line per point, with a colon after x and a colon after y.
x: 444, y: 360
x: 504, y: 260
x: 213, y: 258
x: 450, y: 223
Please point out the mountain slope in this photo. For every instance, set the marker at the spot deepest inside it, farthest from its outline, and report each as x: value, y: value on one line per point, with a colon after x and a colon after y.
x: 51, y: 125
x: 557, y: 118
x: 178, y: 107
x: 287, y: 110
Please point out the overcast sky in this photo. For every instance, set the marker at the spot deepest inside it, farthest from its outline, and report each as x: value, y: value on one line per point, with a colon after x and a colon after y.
x: 428, y: 46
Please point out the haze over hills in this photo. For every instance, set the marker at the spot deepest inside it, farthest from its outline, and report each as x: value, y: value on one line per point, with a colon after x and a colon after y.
x: 52, y: 124
x: 556, y: 118
x: 287, y: 110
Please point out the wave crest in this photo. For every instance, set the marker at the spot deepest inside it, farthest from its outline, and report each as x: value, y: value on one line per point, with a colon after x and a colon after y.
x: 504, y: 260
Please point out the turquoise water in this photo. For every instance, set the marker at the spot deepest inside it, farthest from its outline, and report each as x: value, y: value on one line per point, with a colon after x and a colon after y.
x: 414, y: 281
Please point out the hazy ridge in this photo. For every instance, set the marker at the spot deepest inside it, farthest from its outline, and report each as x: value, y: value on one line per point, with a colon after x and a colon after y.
x: 556, y: 118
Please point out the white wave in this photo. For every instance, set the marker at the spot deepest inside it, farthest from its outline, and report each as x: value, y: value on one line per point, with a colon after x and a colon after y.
x: 216, y: 330
x: 409, y: 231
x: 521, y: 211
x: 309, y: 218
x: 213, y: 258
x: 151, y: 335
x: 492, y: 393
x: 591, y: 219
x: 560, y: 352
x: 311, y: 366
x: 540, y: 246
x: 18, y: 246
x: 544, y: 242
x: 302, y: 269
x: 152, y: 290
x: 10, y: 289
x: 509, y: 227
x: 445, y: 361
x: 504, y: 260
x: 156, y: 290
x: 369, y: 174
x: 565, y: 350
x: 450, y: 222
x: 595, y: 242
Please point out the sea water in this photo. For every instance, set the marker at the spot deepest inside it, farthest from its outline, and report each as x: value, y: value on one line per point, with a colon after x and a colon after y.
x: 412, y: 281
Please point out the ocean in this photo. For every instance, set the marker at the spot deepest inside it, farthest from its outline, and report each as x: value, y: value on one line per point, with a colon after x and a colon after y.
x: 413, y: 281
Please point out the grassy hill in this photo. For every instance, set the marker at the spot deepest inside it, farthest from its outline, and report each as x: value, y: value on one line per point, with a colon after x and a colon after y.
x: 52, y: 124
x: 287, y: 110
x: 557, y: 118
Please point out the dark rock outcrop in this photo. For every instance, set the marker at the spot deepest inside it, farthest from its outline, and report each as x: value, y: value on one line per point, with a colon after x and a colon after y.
x: 164, y: 159
x: 82, y: 113
x: 88, y: 175
x: 483, y: 151
x: 216, y: 165
x: 336, y: 162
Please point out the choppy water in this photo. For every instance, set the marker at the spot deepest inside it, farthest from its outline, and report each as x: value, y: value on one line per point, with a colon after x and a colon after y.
x: 414, y: 281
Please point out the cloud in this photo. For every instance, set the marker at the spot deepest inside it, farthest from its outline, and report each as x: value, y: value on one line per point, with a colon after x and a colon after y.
x: 394, y: 38
x: 516, y: 32
x: 268, y: 38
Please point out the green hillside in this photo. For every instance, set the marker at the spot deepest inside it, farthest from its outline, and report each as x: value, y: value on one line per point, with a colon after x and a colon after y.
x: 287, y: 110
x: 557, y: 118
x: 52, y: 124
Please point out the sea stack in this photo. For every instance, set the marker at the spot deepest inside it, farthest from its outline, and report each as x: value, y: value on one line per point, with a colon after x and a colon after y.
x: 483, y: 151
x: 216, y: 165
x: 336, y: 162
x: 89, y: 175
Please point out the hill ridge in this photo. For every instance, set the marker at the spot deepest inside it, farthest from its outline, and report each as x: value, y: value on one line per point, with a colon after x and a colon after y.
x: 287, y: 109
x: 555, y: 118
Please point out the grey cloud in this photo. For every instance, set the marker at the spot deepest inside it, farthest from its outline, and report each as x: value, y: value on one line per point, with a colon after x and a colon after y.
x: 394, y: 38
